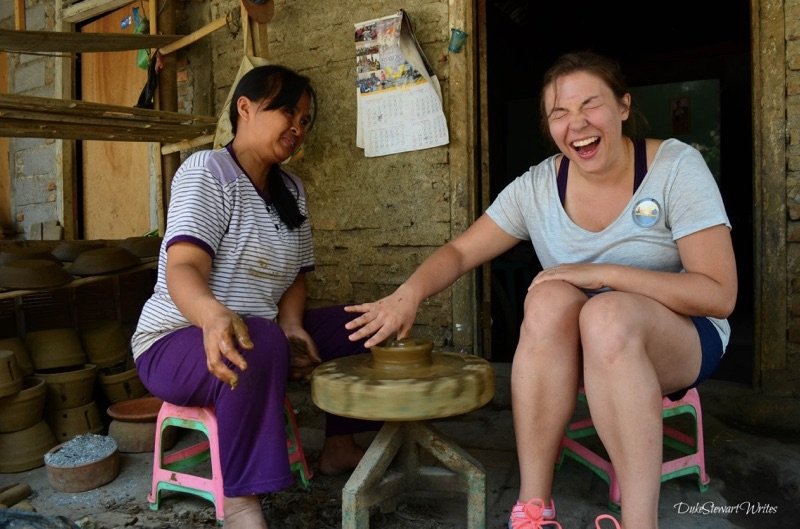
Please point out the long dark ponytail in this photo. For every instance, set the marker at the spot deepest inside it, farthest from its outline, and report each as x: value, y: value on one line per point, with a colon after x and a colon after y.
x: 281, y: 88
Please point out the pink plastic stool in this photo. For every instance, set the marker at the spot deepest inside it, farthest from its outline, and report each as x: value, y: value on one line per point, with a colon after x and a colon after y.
x: 691, y: 446
x: 169, y: 469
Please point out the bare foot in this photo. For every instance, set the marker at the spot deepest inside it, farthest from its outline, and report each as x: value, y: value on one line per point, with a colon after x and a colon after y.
x: 340, y: 454
x: 244, y: 512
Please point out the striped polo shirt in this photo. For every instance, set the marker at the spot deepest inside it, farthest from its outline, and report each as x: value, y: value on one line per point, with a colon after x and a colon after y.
x: 255, y: 256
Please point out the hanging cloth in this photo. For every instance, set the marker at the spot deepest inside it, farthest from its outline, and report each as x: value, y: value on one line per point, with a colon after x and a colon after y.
x: 223, y: 134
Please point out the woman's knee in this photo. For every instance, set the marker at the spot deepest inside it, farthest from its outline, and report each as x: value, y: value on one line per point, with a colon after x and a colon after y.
x: 611, y: 326
x: 552, y: 308
x: 270, y: 352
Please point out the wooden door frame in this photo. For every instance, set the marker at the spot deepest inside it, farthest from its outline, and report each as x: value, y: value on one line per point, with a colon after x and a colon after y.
x: 66, y: 19
x: 769, y: 189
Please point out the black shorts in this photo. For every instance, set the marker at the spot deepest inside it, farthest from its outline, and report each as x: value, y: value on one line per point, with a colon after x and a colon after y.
x: 711, y: 353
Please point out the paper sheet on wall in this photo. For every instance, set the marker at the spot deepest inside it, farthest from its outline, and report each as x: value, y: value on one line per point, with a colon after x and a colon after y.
x: 399, y: 100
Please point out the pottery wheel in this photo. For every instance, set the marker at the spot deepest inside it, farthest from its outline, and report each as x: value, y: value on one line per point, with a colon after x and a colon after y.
x: 451, y: 384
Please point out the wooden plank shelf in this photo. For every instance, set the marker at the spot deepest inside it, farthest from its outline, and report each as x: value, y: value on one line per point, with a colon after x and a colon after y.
x: 73, y: 42
x: 41, y: 117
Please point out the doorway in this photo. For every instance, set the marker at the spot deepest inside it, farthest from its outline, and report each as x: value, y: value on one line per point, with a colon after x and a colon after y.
x: 114, y: 189
x: 689, y: 44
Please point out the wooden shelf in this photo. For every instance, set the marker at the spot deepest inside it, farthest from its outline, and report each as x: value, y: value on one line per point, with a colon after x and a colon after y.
x: 41, y: 117
x: 75, y: 42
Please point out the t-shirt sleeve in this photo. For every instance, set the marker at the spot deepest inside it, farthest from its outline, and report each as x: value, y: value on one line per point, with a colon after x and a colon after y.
x: 694, y: 200
x: 199, y: 209
x: 507, y: 210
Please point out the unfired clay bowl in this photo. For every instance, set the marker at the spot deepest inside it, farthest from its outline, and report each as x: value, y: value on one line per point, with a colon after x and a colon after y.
x: 103, y: 261
x: 24, y: 409
x: 10, y: 374
x: 25, y: 449
x: 68, y: 251
x: 55, y: 348
x: 105, y: 343
x: 69, y: 388
x: 32, y: 274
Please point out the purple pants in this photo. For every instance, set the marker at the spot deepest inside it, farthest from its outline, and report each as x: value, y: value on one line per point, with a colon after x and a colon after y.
x: 252, y: 433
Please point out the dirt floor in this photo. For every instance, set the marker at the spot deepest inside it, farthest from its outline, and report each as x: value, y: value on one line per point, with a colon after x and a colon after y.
x: 755, y: 484
x: 122, y: 504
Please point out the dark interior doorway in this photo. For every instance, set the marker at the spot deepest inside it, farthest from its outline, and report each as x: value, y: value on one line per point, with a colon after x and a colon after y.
x: 675, y: 44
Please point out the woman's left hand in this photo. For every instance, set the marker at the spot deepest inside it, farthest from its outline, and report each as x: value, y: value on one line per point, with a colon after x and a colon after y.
x: 303, y: 351
x: 586, y: 276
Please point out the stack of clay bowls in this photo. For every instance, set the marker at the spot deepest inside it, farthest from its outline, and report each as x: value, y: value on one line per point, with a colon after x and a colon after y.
x: 24, y: 435
x: 106, y: 344
x: 60, y: 360
x: 17, y: 346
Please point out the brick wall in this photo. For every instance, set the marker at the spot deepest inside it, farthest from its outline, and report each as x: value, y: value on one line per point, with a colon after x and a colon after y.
x: 32, y: 161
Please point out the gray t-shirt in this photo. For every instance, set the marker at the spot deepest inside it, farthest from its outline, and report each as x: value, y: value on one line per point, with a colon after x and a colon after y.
x: 677, y: 197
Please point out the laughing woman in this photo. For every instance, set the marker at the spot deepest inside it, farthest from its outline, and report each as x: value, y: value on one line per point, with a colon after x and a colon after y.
x: 638, y: 279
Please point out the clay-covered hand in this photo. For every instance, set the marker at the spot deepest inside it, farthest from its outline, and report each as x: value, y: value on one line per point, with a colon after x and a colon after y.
x: 225, y: 337
x: 379, y: 320
x: 303, y: 350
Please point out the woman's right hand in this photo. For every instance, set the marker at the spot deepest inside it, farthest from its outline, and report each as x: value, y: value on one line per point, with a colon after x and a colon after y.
x: 224, y: 336
x: 392, y: 315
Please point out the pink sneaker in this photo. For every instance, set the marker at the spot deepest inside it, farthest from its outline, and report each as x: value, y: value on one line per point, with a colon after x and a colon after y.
x: 531, y: 515
x: 606, y: 517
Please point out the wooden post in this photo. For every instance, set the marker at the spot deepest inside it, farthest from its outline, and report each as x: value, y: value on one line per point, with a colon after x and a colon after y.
x: 19, y: 15
x: 168, y: 98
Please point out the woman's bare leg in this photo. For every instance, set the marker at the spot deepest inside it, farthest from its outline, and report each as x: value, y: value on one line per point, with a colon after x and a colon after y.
x: 634, y: 351
x: 544, y: 382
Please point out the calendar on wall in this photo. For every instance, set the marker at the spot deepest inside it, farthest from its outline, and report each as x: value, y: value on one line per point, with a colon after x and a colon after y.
x: 399, y: 99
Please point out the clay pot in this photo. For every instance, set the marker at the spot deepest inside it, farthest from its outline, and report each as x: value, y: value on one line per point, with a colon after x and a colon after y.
x: 9, y: 255
x: 10, y: 374
x: 142, y: 247
x: 134, y: 425
x: 103, y: 261
x: 81, y: 477
x: 55, y: 349
x: 16, y: 345
x: 403, y: 354
x: 33, y: 273
x: 123, y: 386
x: 69, y: 422
x: 105, y: 343
x: 144, y: 409
x: 69, y: 389
x: 68, y: 251
x: 25, y: 449
x: 24, y: 409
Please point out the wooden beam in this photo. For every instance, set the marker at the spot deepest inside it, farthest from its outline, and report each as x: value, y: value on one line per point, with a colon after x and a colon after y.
x: 71, y: 42
x: 39, y: 117
x: 194, y: 36
x: 185, y: 145
x: 89, y: 9
x: 19, y: 15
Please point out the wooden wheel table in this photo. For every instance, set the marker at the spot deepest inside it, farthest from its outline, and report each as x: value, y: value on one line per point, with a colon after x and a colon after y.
x: 403, y: 384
